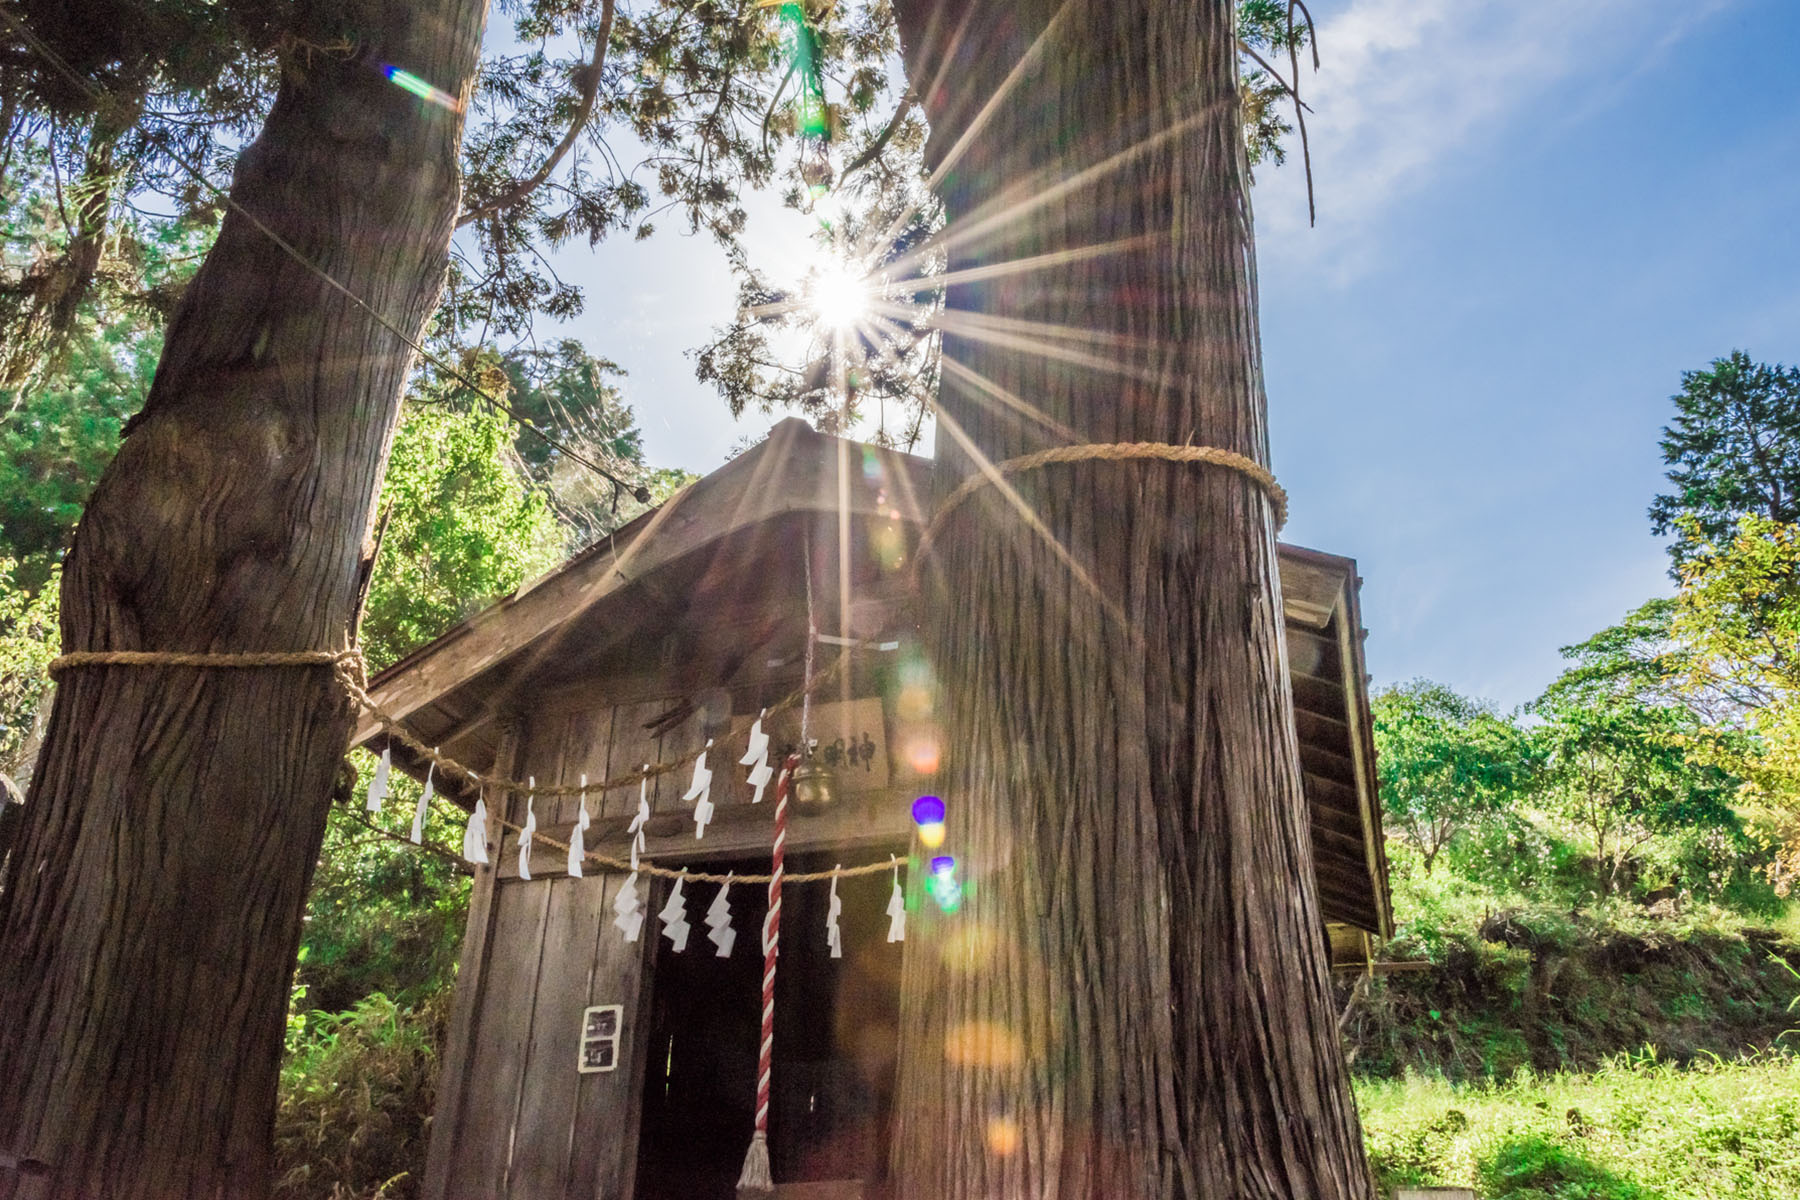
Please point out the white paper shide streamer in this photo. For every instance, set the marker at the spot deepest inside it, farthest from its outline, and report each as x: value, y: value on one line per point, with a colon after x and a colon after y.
x: 378, y: 782
x: 834, y: 937
x: 700, y: 791
x: 418, y: 826
x: 627, y: 908
x: 529, y: 833
x: 896, y: 909
x: 718, y: 920
x: 757, y: 759
x: 643, y: 809
x: 475, y: 834
x: 576, y: 850
x: 674, y: 918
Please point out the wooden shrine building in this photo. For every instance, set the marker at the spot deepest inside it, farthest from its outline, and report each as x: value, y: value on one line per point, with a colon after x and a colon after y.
x: 675, y: 631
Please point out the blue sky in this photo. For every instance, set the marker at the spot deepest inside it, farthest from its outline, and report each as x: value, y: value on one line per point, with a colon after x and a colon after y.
x: 1533, y: 215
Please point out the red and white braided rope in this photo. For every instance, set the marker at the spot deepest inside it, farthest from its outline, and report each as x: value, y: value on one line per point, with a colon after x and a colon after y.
x: 772, y: 945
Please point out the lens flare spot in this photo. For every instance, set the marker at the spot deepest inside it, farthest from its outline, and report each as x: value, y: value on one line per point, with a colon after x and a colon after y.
x: 983, y: 1044
x: 913, y: 703
x: 1003, y: 1137
x: 931, y: 836
x: 407, y: 81
x: 922, y: 754
x: 915, y: 672
x: 944, y: 887
x: 969, y: 947
x: 888, y: 545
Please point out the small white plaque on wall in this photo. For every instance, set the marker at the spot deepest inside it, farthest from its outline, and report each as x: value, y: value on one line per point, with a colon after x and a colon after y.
x: 601, y: 1026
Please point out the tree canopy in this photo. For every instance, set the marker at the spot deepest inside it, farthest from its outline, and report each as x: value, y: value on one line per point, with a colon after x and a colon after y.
x: 1445, y: 762
x: 1733, y: 450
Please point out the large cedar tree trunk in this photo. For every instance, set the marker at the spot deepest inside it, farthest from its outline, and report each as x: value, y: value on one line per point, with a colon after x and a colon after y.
x: 149, y: 924
x: 1132, y: 1001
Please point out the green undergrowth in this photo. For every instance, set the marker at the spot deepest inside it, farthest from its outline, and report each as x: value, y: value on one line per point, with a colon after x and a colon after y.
x: 1635, y: 1129
x: 1494, y: 984
x: 357, y: 1089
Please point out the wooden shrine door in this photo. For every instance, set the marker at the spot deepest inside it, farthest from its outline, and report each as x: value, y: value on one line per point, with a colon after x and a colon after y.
x: 835, y: 1034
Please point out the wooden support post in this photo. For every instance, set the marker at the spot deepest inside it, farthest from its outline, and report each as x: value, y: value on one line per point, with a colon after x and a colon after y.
x: 459, y: 1048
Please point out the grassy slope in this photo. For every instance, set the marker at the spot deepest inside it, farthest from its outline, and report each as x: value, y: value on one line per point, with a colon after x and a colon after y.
x: 1544, y: 992
x: 1599, y: 1051
x: 1640, y: 1130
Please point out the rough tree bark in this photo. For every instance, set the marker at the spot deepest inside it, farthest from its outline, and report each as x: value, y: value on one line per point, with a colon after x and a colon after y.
x: 149, y: 924
x: 1133, y: 999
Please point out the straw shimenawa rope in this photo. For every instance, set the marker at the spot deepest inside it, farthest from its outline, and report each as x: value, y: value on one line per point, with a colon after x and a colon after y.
x: 349, y: 659
x: 990, y: 475
x: 347, y: 667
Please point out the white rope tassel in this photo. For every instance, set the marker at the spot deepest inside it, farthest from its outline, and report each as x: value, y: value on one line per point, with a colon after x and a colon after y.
x: 582, y: 820
x: 674, y: 918
x: 700, y: 791
x: 475, y: 834
x: 529, y: 833
x: 834, y: 937
x: 378, y: 782
x: 757, y: 759
x: 718, y: 920
x: 418, y: 825
x: 896, y: 909
x: 756, y: 1182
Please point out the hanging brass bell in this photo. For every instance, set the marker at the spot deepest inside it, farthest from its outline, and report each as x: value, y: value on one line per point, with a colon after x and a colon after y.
x: 815, y: 787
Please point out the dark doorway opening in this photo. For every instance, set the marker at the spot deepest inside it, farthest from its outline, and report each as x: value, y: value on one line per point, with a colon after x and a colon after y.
x: 836, y: 1025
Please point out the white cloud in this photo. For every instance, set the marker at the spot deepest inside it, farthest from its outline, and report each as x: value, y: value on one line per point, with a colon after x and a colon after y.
x: 1406, y: 88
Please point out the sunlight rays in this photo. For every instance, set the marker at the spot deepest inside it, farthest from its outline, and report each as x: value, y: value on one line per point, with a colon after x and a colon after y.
x: 873, y: 301
x: 1008, y: 400
x: 838, y: 295
x: 1029, y: 515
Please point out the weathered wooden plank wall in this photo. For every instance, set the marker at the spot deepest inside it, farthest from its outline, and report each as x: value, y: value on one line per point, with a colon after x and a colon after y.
x: 523, y: 1122
x: 515, y: 1118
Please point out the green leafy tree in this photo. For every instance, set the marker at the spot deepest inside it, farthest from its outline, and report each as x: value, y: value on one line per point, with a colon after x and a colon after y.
x: 1733, y: 450
x: 1738, y: 612
x: 1446, y: 763
x: 1266, y: 28
x: 1622, y: 746
x: 1737, y: 622
x: 589, y: 119
x: 1734, y: 468
x: 384, y: 915
x: 97, y: 102
x: 1621, y: 774
x: 28, y: 641
x: 60, y: 425
x: 571, y: 395
x: 463, y: 526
